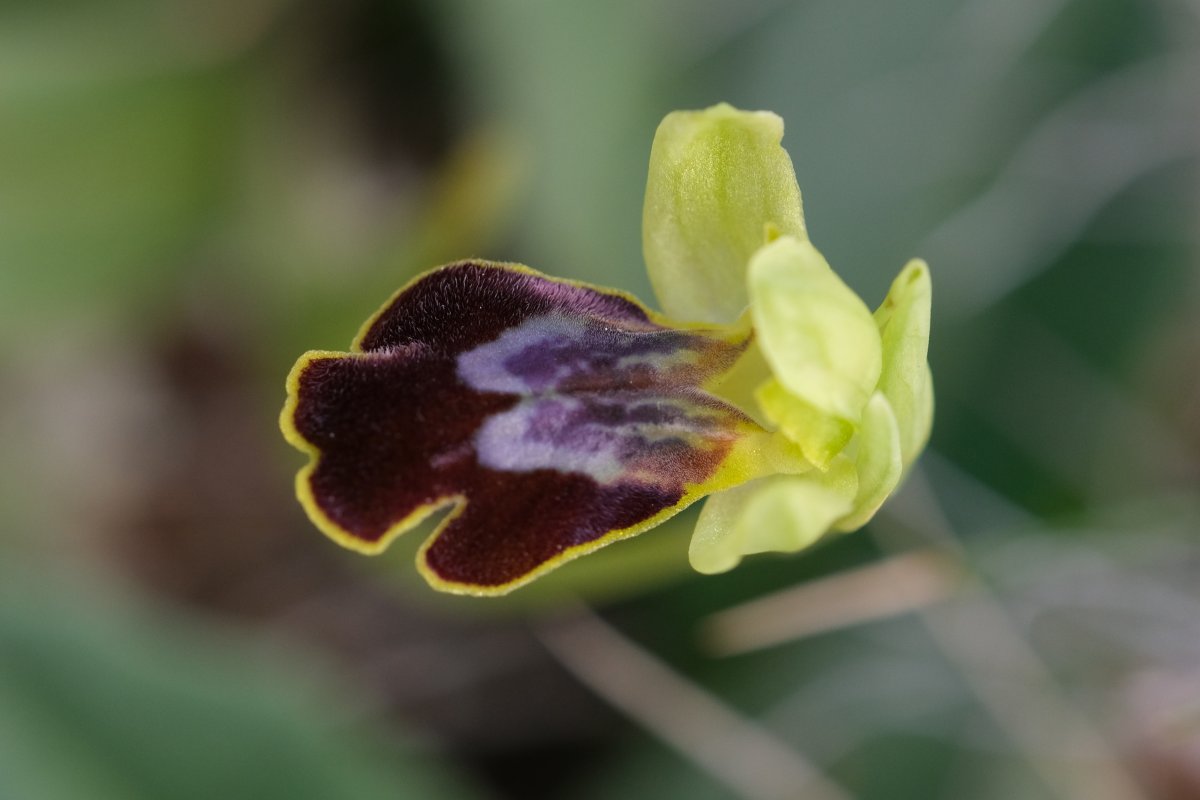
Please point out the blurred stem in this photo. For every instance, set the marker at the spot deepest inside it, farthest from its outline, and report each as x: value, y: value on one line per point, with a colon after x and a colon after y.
x: 1007, y: 676
x: 896, y: 585
x: 734, y: 750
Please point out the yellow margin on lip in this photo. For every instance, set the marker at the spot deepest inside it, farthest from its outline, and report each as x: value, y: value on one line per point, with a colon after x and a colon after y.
x: 736, y: 333
x: 742, y: 463
x: 356, y: 345
x: 303, y: 486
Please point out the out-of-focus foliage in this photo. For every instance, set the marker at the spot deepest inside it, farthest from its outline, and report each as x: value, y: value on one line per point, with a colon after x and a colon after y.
x: 192, y: 193
x: 116, y: 703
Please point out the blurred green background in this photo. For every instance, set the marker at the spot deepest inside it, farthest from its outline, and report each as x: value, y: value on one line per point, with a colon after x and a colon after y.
x: 193, y: 193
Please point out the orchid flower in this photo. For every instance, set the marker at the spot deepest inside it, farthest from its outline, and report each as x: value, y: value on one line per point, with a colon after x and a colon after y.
x: 552, y: 417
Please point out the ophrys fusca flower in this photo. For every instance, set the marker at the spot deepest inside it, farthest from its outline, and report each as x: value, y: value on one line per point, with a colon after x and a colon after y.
x: 553, y: 417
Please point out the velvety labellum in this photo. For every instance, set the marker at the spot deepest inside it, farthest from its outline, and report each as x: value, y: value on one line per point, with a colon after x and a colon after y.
x: 554, y: 417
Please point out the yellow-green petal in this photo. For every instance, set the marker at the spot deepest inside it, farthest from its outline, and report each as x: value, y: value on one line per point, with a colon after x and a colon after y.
x: 820, y: 436
x: 819, y: 338
x: 719, y: 185
x: 780, y: 513
x: 903, y: 321
x: 877, y: 462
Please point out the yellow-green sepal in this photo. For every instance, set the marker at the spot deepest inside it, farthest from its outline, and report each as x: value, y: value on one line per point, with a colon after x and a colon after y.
x: 905, y: 379
x: 779, y: 513
x: 719, y: 185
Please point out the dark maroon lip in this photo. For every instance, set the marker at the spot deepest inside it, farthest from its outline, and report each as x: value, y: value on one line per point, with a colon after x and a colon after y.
x: 553, y: 413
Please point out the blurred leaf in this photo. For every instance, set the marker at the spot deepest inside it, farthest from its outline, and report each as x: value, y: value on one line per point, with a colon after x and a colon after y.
x: 105, y: 187
x: 575, y: 82
x: 104, y: 705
